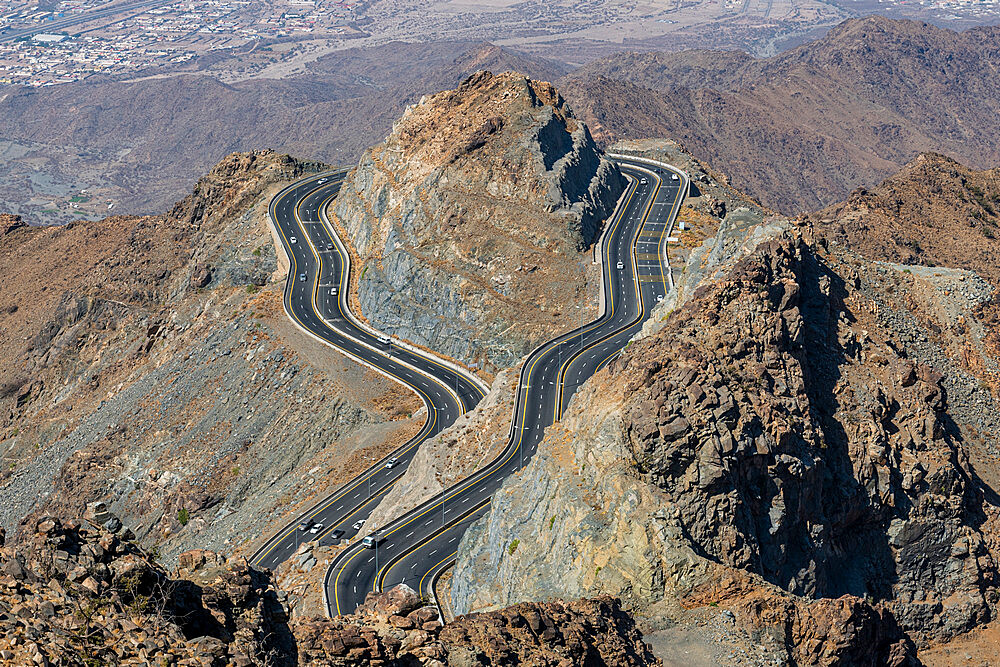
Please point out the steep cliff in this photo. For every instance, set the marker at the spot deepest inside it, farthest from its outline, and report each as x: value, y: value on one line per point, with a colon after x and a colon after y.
x: 792, y: 443
x: 469, y: 220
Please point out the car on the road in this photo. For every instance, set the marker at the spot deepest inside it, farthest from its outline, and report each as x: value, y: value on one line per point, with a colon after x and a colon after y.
x: 292, y: 239
x: 333, y: 291
x: 359, y: 524
x: 336, y: 534
x: 371, y: 541
x: 659, y: 298
x: 329, y: 246
x: 321, y: 181
x: 302, y: 277
x: 316, y: 527
x: 306, y: 524
x: 385, y: 340
x: 391, y: 463
x: 673, y: 177
x: 621, y: 265
x: 643, y: 181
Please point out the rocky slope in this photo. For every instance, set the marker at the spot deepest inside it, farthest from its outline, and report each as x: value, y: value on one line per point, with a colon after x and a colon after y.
x: 802, y: 129
x: 147, y: 363
x: 797, y: 441
x: 935, y: 213
x: 468, y: 222
x: 80, y: 596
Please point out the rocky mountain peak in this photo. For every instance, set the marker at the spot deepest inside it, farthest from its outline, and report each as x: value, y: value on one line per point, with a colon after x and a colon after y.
x: 482, y: 126
x: 234, y: 183
x: 480, y: 196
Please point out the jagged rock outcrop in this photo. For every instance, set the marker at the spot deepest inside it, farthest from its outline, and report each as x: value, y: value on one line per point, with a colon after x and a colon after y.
x: 394, y: 628
x: 770, y: 437
x: 10, y: 223
x: 75, y: 596
x: 78, y: 596
x: 468, y: 220
x: 936, y: 213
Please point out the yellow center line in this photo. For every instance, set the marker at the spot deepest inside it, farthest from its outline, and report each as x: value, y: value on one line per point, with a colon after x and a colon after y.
x: 485, y: 471
x: 420, y: 586
x: 477, y: 477
x: 560, y: 378
x: 385, y: 569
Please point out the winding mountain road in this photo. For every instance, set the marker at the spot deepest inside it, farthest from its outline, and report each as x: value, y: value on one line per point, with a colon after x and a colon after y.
x: 315, y: 300
x: 415, y: 548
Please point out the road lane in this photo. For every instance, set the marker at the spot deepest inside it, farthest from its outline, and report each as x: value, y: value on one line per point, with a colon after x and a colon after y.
x: 413, y: 544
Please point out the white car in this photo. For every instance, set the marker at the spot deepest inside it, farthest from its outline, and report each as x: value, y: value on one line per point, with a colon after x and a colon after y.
x: 302, y: 277
x: 293, y: 240
x: 385, y: 340
x: 391, y: 463
x: 359, y: 524
x: 673, y: 177
x: 621, y: 265
x: 333, y: 291
x: 643, y: 181
x: 659, y: 298
x: 321, y: 181
x: 316, y: 527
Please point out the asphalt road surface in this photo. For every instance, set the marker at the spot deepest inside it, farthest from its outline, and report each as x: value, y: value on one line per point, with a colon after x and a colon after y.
x: 315, y: 299
x: 416, y: 547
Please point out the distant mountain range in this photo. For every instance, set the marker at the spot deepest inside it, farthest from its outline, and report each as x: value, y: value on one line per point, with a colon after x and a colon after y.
x: 798, y: 131
x: 802, y: 129
x: 150, y: 139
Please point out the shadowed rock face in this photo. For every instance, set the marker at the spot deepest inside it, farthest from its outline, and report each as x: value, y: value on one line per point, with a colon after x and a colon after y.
x: 770, y: 437
x: 468, y: 221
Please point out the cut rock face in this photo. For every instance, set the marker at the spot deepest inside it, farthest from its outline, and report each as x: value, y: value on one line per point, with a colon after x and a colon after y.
x: 468, y: 221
